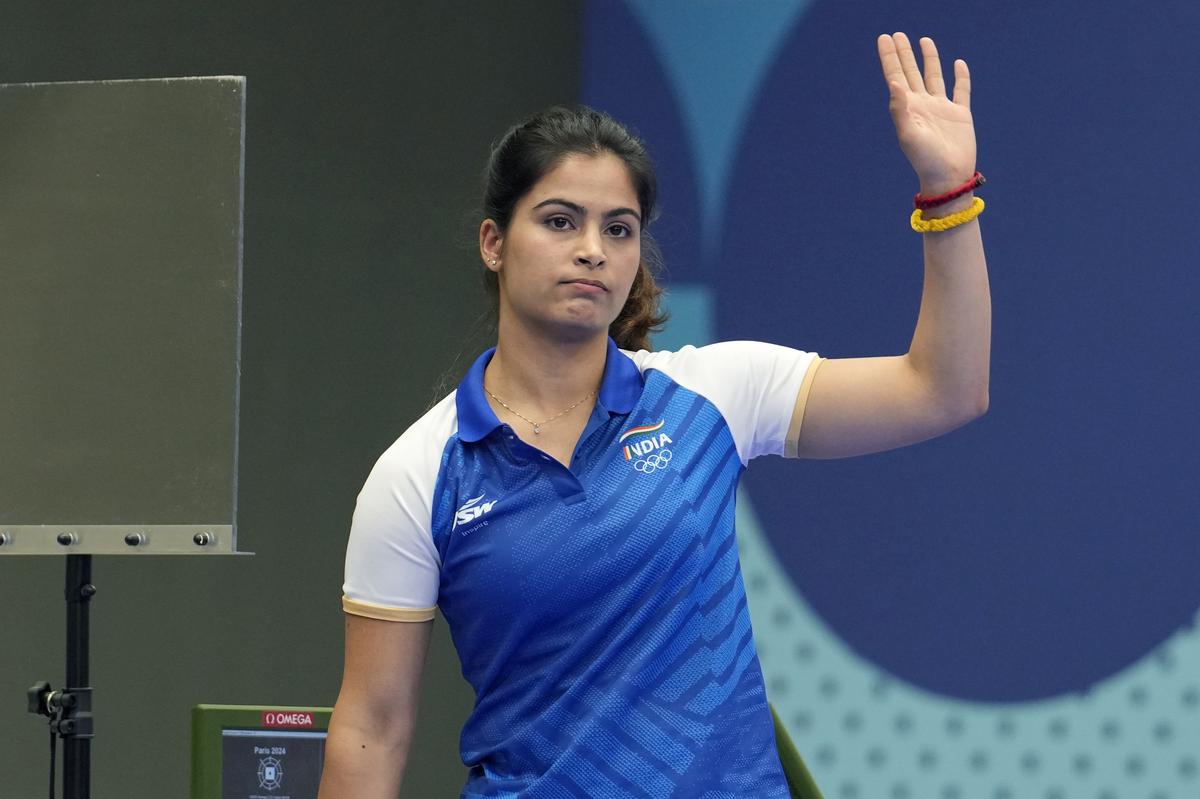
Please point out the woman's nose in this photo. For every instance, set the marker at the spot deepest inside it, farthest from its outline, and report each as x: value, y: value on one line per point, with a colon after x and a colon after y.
x: 591, y: 249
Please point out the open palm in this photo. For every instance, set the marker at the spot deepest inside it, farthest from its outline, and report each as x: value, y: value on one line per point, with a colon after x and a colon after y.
x: 936, y: 132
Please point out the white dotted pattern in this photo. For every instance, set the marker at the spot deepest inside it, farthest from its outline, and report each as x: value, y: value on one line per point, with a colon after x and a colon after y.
x: 864, y: 734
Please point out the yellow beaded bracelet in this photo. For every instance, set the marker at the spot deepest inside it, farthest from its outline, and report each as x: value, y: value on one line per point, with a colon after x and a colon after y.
x: 923, y: 225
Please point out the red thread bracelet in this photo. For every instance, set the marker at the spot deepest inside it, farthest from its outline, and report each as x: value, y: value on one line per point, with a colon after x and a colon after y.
x: 975, y: 182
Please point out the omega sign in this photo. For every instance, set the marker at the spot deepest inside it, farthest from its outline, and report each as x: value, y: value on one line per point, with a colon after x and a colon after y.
x: 287, y: 719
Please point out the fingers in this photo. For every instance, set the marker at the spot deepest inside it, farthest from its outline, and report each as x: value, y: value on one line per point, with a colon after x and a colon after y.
x: 962, y: 84
x: 893, y: 73
x: 933, y: 68
x: 908, y: 62
x: 900, y: 68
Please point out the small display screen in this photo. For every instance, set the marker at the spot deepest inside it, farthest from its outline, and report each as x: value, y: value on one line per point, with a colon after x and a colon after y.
x: 271, y: 764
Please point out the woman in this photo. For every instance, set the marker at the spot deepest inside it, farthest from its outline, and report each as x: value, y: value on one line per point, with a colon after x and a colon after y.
x: 570, y: 506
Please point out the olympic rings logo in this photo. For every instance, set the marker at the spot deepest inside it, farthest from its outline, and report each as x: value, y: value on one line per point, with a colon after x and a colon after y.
x: 653, y: 463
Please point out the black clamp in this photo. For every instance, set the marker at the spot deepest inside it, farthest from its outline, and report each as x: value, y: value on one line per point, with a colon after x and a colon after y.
x: 69, y: 710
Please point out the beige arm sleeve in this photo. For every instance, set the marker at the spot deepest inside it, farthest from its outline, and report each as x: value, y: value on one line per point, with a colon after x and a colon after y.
x: 357, y: 607
x: 791, y: 446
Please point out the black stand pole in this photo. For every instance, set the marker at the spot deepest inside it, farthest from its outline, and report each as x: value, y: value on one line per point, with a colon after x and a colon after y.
x: 76, y: 725
x: 70, y: 710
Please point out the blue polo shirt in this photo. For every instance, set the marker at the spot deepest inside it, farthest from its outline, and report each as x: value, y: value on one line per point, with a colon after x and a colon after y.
x: 598, y: 609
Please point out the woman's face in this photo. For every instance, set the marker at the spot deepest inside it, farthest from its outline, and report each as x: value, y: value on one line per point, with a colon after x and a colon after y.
x: 571, y: 251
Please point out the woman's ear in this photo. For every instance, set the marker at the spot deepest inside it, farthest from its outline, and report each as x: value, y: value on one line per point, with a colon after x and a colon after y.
x: 490, y: 244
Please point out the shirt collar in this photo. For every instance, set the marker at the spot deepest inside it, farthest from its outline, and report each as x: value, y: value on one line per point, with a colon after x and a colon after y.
x: 619, y: 390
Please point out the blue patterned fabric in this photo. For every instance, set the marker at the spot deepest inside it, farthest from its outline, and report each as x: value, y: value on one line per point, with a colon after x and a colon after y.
x: 599, y: 611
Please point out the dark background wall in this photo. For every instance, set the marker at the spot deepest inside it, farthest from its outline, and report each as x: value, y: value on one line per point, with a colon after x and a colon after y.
x: 367, y: 126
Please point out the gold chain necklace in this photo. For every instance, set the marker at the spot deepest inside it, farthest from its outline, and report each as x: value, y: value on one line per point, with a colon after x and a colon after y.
x: 537, y: 426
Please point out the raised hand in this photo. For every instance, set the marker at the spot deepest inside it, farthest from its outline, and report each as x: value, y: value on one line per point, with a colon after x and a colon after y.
x: 936, y: 133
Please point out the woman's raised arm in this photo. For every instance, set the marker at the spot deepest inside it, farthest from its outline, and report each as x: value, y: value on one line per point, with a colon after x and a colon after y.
x: 860, y: 405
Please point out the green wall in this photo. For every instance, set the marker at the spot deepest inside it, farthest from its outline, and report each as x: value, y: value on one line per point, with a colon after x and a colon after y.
x: 367, y: 127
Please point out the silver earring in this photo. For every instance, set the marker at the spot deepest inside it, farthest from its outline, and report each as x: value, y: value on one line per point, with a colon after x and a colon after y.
x: 493, y: 262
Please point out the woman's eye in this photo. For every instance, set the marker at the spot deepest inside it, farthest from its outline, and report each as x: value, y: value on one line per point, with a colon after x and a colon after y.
x: 559, y: 222
x: 621, y: 231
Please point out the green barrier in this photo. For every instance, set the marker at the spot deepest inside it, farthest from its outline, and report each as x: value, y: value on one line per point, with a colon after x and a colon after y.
x: 799, y: 780
x: 220, y: 730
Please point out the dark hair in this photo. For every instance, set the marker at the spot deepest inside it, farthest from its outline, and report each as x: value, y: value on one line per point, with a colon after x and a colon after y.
x: 535, y: 146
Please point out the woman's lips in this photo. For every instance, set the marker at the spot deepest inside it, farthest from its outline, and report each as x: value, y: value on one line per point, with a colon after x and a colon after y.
x: 588, y: 285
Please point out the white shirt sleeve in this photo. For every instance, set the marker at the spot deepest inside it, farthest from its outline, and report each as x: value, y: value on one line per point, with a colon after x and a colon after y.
x: 753, y: 384
x: 393, y: 569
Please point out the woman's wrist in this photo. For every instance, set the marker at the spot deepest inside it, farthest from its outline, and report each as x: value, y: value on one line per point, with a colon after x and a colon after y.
x: 933, y: 185
x: 941, y: 198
